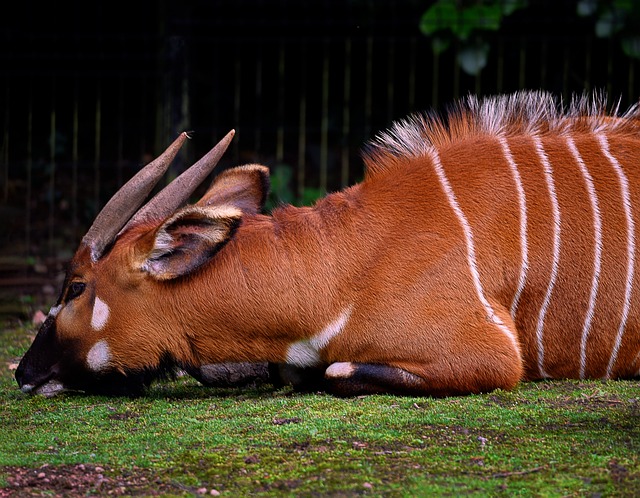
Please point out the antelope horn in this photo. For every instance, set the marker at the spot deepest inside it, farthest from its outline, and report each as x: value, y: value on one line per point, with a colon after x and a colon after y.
x: 115, y: 214
x: 174, y: 195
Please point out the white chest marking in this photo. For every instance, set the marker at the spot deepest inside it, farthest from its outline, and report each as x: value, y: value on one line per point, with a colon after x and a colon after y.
x: 306, y: 353
x: 99, y: 356
x: 100, y: 314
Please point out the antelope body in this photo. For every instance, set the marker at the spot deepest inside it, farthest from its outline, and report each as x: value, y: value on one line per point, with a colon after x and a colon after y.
x: 498, y: 244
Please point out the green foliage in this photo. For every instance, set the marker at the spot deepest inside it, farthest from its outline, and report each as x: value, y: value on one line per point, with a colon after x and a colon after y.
x: 619, y: 19
x: 572, y: 438
x: 465, y: 21
x: 282, y: 189
x: 469, y: 21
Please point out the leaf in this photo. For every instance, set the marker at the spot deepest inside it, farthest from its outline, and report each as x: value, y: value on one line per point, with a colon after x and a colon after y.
x: 477, y: 18
x: 610, y: 22
x: 439, y: 44
x: 440, y: 16
x: 623, y: 5
x: 586, y: 7
x: 473, y: 58
x: 510, y: 6
x: 631, y: 46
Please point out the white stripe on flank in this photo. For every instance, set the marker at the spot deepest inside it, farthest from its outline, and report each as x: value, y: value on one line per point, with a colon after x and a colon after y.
x: 597, y: 256
x: 631, y: 248
x: 548, y: 175
x: 524, y: 244
x: 471, y: 253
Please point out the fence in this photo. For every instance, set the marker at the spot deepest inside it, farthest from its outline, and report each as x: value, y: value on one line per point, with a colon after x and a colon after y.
x: 304, y: 105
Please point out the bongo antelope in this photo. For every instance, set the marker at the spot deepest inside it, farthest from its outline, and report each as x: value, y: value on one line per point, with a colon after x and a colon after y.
x: 496, y: 244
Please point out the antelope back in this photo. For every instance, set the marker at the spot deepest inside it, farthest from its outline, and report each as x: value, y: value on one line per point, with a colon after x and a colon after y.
x: 545, y: 203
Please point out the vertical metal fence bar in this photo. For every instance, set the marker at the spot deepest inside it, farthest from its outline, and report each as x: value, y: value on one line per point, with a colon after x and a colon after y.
x: 236, y: 105
x: 52, y: 166
x: 544, y: 51
x: 610, y: 66
x: 258, y: 105
x: 302, y: 129
x: 500, y: 67
x: 74, y: 162
x: 456, y: 71
x: 324, y: 124
x: 435, y: 79
x: 120, y: 126
x: 390, y: 79
x: 477, y: 83
x: 565, y: 72
x: 412, y: 74
x: 587, y: 65
x: 29, y: 167
x: 632, y: 86
x: 280, y: 111
x: 97, y: 149
x: 522, y: 66
x: 368, y: 92
x: 346, y: 115
x: 5, y: 148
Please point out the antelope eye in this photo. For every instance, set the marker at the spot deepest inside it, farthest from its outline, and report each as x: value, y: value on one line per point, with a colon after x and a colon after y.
x: 75, y: 289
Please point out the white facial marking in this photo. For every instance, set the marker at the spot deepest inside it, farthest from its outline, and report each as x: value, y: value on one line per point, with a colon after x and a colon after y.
x: 99, y: 356
x: 100, y: 314
x: 340, y: 370
x: 53, y: 312
x: 306, y: 353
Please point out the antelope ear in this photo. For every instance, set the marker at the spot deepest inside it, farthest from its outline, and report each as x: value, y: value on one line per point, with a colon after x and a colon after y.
x: 244, y: 187
x: 189, y: 239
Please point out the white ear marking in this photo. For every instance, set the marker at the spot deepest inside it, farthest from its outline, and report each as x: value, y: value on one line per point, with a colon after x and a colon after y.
x: 100, y: 314
x: 99, y: 356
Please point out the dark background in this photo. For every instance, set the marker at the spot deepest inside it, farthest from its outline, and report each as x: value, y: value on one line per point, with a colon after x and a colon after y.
x: 90, y: 91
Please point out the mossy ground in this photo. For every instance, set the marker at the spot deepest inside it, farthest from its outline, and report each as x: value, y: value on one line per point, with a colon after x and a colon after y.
x: 561, y: 438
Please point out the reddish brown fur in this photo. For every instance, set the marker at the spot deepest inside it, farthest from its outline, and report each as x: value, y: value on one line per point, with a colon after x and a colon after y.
x: 390, y: 254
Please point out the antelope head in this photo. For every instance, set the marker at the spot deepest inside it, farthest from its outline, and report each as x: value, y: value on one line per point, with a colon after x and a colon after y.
x: 69, y: 351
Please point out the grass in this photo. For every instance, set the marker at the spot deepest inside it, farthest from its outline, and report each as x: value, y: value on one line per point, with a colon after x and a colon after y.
x: 565, y: 438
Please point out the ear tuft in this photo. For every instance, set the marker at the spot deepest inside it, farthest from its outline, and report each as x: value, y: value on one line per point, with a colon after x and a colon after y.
x: 245, y: 187
x: 189, y: 239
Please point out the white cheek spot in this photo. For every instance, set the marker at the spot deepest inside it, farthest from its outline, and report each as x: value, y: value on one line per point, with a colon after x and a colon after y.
x: 99, y: 356
x: 340, y: 370
x: 306, y: 353
x: 100, y: 314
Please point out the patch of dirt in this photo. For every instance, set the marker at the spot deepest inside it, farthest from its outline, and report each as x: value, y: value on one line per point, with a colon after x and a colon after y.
x: 82, y: 480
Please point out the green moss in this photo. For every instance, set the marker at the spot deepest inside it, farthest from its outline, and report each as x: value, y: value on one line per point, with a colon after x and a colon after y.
x: 541, y: 439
